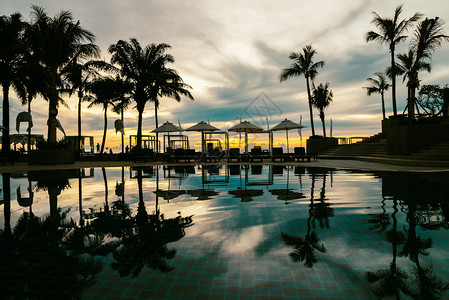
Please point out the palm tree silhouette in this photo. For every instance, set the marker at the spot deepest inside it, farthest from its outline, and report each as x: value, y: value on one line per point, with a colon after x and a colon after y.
x: 304, y: 247
x: 321, y: 99
x: 55, y: 43
x: 146, y: 243
x: 379, y: 86
x: 103, y: 91
x: 123, y: 89
x: 391, y: 32
x: 11, y: 50
x: 429, y: 35
x: 145, y: 68
x: 392, y: 281
x: 322, y: 210
x: 303, y: 65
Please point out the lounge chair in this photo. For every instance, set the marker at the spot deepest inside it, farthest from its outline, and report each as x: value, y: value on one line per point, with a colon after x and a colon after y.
x: 256, y: 153
x: 278, y: 153
x: 234, y: 153
x: 300, y: 153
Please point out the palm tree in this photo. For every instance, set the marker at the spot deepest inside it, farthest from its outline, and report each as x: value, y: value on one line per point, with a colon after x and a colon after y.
x: 321, y: 99
x: 56, y: 42
x: 379, y: 86
x: 11, y: 50
x: 102, y: 91
x: 429, y: 35
x: 79, y: 74
x: 168, y: 84
x: 391, y: 32
x: 409, y: 67
x: 145, y: 69
x: 303, y: 65
x: 123, y: 88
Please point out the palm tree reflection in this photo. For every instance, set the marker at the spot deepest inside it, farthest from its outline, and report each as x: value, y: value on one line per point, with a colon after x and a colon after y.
x: 304, y: 247
x: 146, y: 244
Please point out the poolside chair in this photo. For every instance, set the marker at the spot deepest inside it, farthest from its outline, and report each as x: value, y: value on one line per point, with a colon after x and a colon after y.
x: 256, y: 169
x: 256, y: 153
x: 300, y: 153
x: 234, y: 153
x: 278, y: 153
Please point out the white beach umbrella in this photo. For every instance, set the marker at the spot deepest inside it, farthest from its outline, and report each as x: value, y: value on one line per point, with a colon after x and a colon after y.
x: 287, y: 125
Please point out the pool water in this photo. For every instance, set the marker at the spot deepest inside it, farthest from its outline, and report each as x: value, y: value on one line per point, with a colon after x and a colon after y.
x: 223, y: 232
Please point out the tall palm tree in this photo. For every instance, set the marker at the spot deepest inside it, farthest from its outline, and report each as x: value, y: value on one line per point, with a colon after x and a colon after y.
x: 429, y: 35
x: 145, y: 68
x: 55, y: 43
x: 303, y: 64
x: 11, y: 50
x: 392, y: 32
x: 321, y: 99
x: 379, y: 86
x: 102, y: 91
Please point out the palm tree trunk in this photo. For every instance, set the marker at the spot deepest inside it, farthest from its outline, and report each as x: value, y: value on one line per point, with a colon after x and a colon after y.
x: 393, y: 82
x: 139, y: 129
x: 383, y: 105
x: 29, y: 127
x: 105, y: 128
x: 322, y: 122
x: 7, y: 201
x: 106, y: 191
x: 411, y: 103
x: 310, y: 105
x: 80, y: 98
x: 123, y: 139
x: 52, y: 113
x: 5, y: 136
x: 157, y: 125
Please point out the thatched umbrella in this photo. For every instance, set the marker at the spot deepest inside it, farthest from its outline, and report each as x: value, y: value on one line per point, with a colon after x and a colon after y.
x: 245, y: 127
x: 287, y: 125
x: 202, y: 127
x: 167, y: 127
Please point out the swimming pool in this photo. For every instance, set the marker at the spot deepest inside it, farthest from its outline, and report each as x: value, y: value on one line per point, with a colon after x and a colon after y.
x: 223, y: 231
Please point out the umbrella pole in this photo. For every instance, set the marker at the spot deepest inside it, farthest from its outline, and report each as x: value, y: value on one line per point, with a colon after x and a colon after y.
x: 246, y: 142
x: 288, y: 148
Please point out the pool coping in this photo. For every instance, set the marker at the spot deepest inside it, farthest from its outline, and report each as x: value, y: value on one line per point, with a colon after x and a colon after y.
x: 355, y: 163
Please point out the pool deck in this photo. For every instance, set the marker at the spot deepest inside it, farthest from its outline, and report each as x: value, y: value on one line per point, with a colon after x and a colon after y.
x: 359, y: 163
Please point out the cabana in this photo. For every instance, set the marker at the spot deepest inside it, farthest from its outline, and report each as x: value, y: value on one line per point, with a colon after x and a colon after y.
x: 23, y: 140
x: 86, y: 145
x: 148, y: 142
x: 176, y: 141
x: 216, y: 142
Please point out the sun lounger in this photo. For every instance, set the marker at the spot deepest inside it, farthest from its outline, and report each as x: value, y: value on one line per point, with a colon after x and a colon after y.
x: 234, y: 153
x: 300, y: 153
x: 278, y: 153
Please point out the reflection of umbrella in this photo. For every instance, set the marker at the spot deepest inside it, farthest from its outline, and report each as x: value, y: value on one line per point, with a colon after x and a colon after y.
x: 246, y: 195
x: 203, y: 194
x: 286, y: 125
x: 245, y: 127
x: 202, y: 127
x: 287, y: 194
x: 169, y: 194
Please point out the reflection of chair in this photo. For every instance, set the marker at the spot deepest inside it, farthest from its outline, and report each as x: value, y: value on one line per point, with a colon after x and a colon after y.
x: 256, y: 169
x: 278, y: 170
x: 234, y: 169
x: 300, y: 153
x: 234, y: 153
x: 278, y: 152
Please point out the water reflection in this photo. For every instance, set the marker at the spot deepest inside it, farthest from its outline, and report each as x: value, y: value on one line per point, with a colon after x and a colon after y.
x: 381, y: 234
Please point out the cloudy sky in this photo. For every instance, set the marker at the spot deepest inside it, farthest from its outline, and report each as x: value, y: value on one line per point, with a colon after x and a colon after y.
x: 232, y: 53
